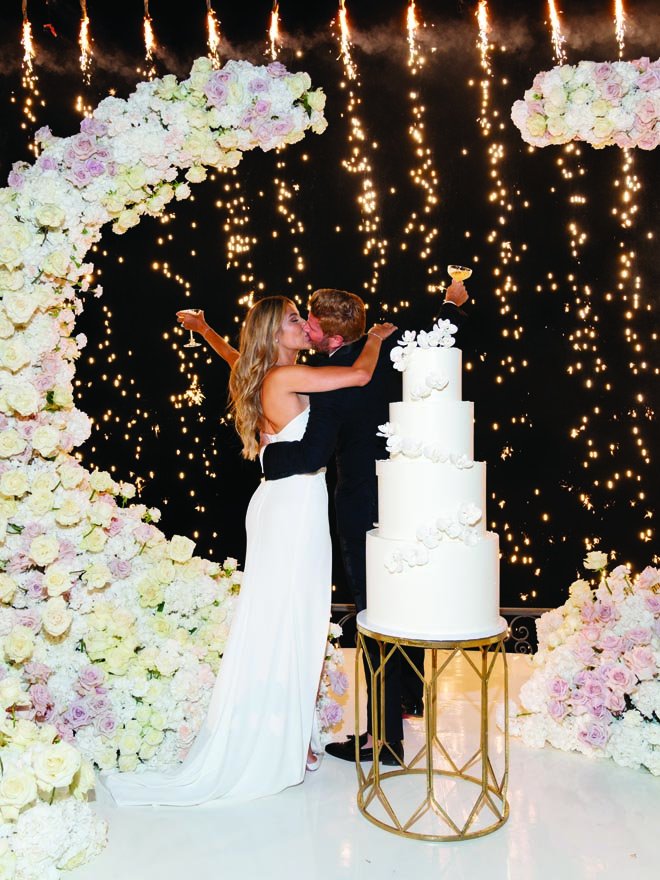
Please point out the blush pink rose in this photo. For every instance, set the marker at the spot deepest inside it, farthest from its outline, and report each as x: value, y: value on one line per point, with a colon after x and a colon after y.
x: 619, y: 678
x: 557, y: 709
x: 593, y: 734
x: 558, y: 688
x: 641, y: 661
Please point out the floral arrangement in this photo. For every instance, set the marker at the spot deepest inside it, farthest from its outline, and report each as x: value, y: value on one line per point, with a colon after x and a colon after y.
x: 604, y: 104
x: 110, y: 633
x: 334, y: 683
x: 595, y: 688
x: 441, y: 336
x: 410, y: 447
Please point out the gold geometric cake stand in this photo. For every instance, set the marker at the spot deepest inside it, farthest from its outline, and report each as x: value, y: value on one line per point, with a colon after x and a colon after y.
x: 453, y: 788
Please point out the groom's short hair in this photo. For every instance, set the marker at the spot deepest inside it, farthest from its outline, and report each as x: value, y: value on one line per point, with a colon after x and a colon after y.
x: 339, y: 313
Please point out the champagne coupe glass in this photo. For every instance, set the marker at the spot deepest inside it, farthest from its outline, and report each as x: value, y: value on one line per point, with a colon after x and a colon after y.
x: 459, y: 273
x: 192, y: 343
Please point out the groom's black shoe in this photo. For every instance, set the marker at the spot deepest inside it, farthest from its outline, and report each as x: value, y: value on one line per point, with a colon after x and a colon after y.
x: 391, y: 754
x: 412, y: 708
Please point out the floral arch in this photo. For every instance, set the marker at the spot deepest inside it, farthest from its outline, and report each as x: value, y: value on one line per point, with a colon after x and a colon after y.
x: 111, y: 633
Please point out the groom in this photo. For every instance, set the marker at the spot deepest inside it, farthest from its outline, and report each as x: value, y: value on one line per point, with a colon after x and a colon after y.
x: 346, y: 422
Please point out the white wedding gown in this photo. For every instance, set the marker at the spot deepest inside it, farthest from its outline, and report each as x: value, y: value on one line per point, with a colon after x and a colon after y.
x: 261, y: 716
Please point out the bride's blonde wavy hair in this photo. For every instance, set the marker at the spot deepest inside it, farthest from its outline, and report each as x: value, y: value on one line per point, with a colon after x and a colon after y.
x: 258, y: 353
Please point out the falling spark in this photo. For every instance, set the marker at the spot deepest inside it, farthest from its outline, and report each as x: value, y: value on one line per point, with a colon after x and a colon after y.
x: 149, y: 39
x: 85, y: 48
x: 28, y: 46
x: 273, y: 31
x: 346, y: 42
x: 412, y: 25
x: 214, y: 34
x: 557, y: 36
x: 620, y: 24
x: 484, y: 30
x: 194, y: 394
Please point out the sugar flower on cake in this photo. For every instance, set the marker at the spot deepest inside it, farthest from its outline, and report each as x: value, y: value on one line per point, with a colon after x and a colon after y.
x: 433, y: 382
x: 595, y: 687
x: 441, y: 336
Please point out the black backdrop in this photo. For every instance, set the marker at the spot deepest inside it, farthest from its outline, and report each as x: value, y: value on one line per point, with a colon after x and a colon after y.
x: 560, y: 354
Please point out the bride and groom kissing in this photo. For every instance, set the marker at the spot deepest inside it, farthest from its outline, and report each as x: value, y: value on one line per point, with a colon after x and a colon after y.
x: 259, y: 735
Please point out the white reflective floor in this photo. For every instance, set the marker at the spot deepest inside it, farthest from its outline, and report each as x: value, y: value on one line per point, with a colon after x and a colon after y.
x: 569, y: 818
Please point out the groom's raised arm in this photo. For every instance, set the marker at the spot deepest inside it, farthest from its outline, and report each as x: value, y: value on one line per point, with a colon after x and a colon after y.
x: 313, y: 452
x: 451, y: 310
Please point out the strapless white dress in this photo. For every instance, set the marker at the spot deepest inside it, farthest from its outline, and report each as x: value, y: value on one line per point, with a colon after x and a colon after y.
x: 261, y: 716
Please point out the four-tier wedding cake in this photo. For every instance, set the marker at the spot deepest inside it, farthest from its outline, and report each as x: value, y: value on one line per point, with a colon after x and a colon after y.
x: 432, y: 566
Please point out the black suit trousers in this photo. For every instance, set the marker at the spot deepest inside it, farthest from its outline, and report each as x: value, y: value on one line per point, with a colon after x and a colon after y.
x: 401, y: 680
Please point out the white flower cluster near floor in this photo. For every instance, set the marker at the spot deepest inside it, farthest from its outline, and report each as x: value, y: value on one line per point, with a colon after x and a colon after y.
x: 595, y: 688
x: 110, y: 633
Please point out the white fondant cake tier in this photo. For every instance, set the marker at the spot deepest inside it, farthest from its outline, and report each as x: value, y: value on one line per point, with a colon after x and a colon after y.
x: 454, y: 595
x: 447, y: 425
x: 434, y: 363
x: 417, y: 493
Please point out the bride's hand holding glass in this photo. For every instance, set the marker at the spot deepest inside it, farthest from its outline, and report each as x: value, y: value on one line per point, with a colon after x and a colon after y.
x: 193, y: 320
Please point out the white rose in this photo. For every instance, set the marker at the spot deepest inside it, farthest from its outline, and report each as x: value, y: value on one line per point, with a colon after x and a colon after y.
x: 316, y: 100
x: 153, y: 737
x: 11, y: 443
x: 595, y: 560
x: 44, y: 549
x: 45, y: 481
x: 165, y: 571
x: 23, y: 398
x: 142, y: 714
x: 71, y: 475
x: 63, y: 396
x: 50, y: 216
x: 127, y: 763
x: 18, y: 788
x: 39, y: 503
x: 84, y: 780
x: 95, y: 541
x: 46, y: 440
x: 101, y: 481
x: 68, y: 514
x: 57, y: 264
x: 181, y: 548
x: 56, y: 765
x: 56, y: 617
x: 100, y: 513
x: 7, y: 588
x: 128, y: 742
x: 14, y: 355
x: 97, y: 576
x: 119, y: 658
x: 167, y: 664
x: 127, y: 490
x: 14, y: 483
x: 57, y: 580
x: 11, y: 693
x: 147, y: 751
x: 19, y: 644
x: 20, y: 305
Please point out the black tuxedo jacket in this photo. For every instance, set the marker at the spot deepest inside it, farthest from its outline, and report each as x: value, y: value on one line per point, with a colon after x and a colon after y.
x: 346, y: 422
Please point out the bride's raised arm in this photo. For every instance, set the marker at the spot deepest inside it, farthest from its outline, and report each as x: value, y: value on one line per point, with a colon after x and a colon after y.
x: 198, y: 324
x: 306, y: 380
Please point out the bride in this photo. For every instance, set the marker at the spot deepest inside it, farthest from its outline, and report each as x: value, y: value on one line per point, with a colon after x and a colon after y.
x: 259, y: 733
